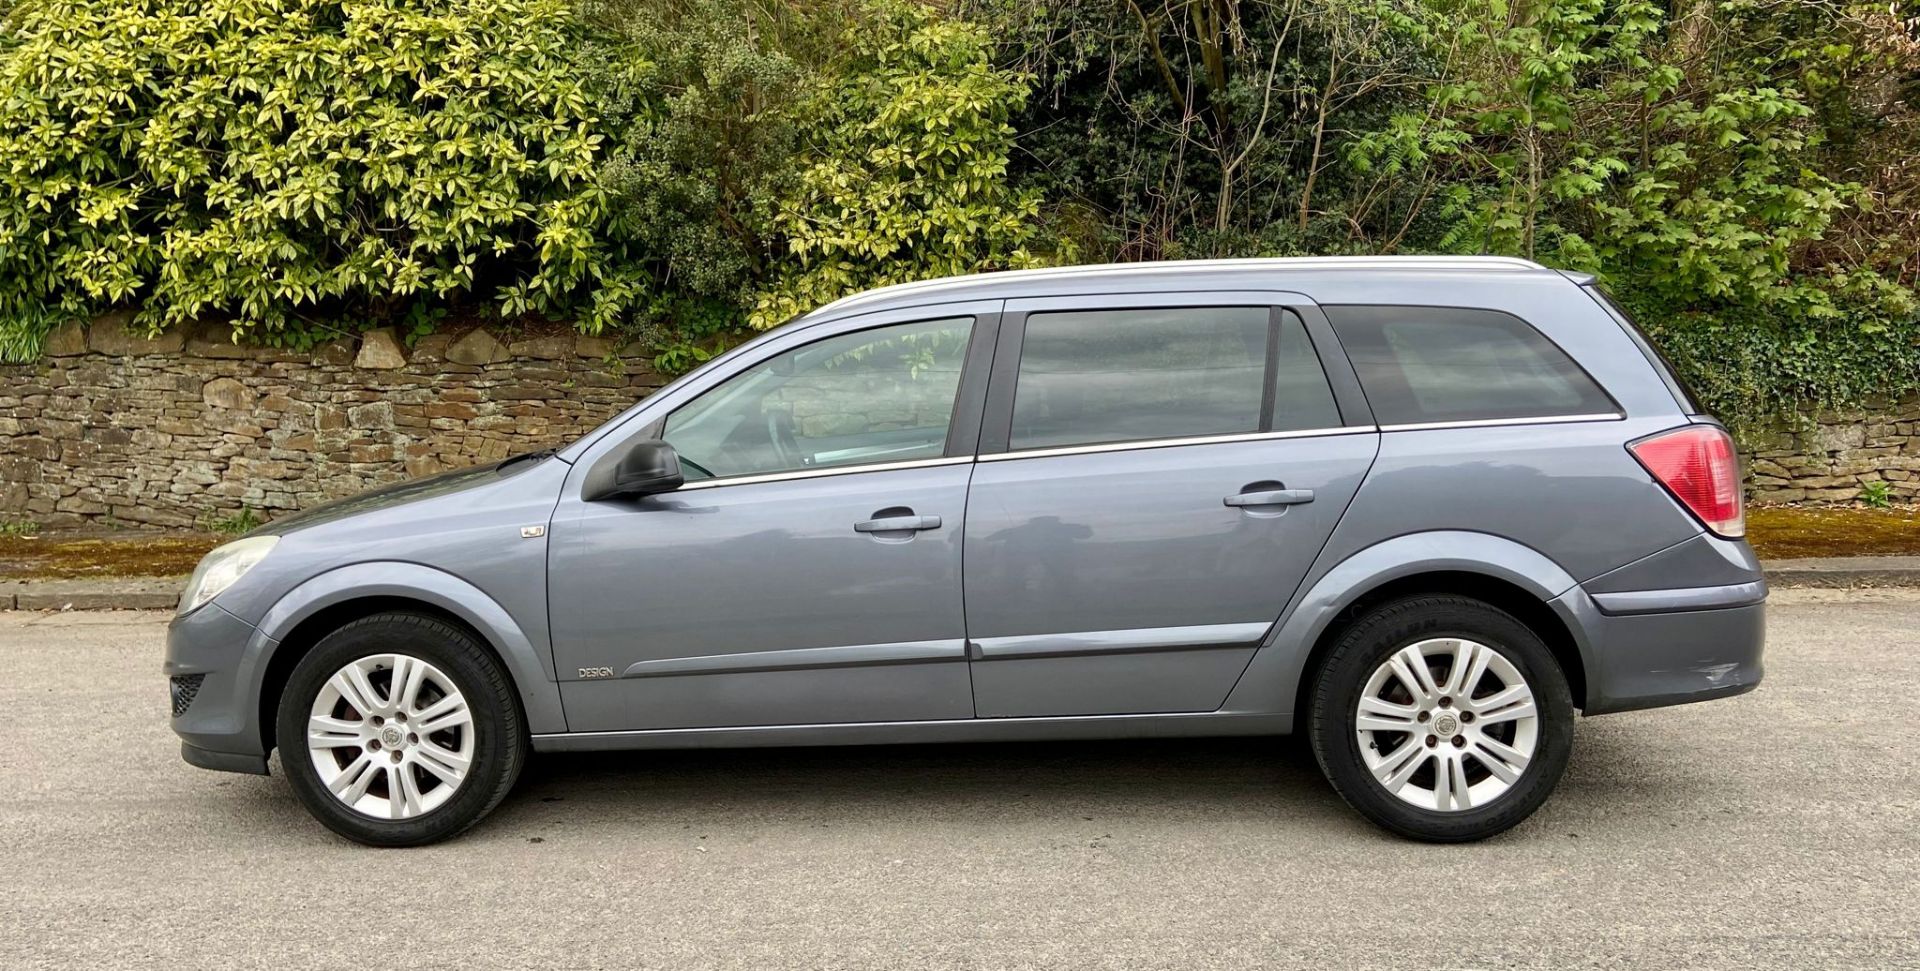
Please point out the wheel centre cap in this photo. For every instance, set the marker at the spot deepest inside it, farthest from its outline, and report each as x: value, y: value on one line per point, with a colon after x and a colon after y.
x: 1445, y: 724
x: 392, y: 737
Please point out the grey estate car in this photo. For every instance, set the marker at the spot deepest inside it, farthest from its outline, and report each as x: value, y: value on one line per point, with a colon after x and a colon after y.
x: 1421, y: 509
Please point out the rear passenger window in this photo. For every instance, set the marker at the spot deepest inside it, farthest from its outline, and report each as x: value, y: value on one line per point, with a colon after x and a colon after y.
x: 1098, y: 376
x: 1430, y: 364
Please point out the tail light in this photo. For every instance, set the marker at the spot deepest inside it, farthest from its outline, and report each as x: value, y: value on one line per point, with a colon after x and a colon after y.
x: 1697, y: 465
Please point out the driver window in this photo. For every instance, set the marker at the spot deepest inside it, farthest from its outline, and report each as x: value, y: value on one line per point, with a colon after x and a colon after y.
x: 880, y: 395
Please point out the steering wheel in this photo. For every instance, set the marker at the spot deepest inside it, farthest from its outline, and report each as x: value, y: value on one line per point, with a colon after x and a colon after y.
x: 786, y: 447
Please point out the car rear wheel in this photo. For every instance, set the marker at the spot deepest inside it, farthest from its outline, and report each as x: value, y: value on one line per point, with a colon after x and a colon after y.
x: 399, y: 730
x: 1441, y: 718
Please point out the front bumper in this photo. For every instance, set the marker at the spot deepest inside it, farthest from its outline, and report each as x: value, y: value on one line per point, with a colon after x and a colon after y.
x: 219, y: 725
x: 1638, y: 656
x: 223, y: 761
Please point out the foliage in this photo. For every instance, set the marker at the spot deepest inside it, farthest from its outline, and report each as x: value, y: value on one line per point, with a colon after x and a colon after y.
x: 767, y: 157
x: 1748, y: 364
x: 907, y: 148
x: 232, y: 524
x: 700, y: 102
x: 1575, y: 133
x: 1743, y: 174
x: 1602, y: 135
x: 274, y: 159
x: 1740, y: 172
x: 18, y: 527
x: 1194, y: 128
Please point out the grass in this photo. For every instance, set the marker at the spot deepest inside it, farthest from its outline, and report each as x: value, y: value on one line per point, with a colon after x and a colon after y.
x: 244, y: 521
x: 121, y: 553
x: 1786, y: 532
x: 18, y: 527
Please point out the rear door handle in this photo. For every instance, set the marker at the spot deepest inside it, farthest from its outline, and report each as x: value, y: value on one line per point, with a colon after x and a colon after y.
x: 1271, y: 497
x: 897, y: 524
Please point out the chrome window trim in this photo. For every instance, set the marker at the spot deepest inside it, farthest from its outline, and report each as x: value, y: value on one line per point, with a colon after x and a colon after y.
x: 1039, y: 453
x: 1501, y: 422
x: 653, y: 409
x: 715, y: 483
x: 1036, y: 453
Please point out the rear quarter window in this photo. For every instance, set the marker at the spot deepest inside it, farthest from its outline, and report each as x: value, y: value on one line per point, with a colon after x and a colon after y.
x: 1681, y: 392
x: 1435, y: 364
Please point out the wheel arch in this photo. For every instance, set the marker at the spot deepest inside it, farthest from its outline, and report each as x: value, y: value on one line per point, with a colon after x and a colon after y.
x: 1503, y: 594
x: 305, y: 615
x: 1515, y: 578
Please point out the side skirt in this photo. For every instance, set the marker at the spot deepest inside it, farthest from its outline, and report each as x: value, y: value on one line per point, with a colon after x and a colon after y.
x: 1181, y: 725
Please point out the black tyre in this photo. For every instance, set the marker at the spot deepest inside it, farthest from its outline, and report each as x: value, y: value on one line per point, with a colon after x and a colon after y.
x: 400, y: 729
x: 1441, y: 718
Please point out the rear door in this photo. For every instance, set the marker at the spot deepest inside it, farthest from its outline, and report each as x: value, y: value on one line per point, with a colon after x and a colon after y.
x: 1157, y: 473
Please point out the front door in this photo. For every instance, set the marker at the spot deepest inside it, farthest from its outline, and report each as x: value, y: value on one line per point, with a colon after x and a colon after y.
x: 1156, y: 476
x: 809, y: 570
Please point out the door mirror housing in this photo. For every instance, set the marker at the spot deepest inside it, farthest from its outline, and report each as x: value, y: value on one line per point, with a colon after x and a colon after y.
x: 644, y: 468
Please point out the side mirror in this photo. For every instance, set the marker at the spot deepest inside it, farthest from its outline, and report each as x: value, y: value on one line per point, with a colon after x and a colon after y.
x: 648, y: 466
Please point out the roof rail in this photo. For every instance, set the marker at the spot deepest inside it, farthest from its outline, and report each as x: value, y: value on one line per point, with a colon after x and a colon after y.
x: 1194, y: 266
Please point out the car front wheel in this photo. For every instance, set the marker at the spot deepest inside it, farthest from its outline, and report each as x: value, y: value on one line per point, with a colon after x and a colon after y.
x: 1442, y: 718
x: 399, y: 729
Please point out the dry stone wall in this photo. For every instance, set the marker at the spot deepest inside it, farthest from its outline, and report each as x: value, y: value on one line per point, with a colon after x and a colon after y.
x: 187, y: 429
x: 1837, y: 456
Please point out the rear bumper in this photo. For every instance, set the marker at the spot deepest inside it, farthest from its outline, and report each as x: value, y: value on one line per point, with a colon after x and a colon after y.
x: 1686, y: 599
x: 1640, y: 655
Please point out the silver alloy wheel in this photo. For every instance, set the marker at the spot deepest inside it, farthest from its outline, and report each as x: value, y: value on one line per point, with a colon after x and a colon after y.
x: 390, y: 736
x: 1447, y: 724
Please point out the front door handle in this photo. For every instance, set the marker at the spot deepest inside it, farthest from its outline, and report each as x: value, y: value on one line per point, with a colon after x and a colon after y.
x: 1271, y: 497
x: 897, y: 524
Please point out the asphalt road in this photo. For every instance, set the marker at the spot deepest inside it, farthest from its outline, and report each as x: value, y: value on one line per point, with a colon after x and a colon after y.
x: 1773, y: 830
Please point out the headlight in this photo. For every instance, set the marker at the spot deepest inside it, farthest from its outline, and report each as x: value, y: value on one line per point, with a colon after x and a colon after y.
x: 221, y: 568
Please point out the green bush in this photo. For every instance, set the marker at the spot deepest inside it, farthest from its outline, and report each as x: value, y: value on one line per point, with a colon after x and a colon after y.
x: 1739, y: 173
x: 764, y: 159
x: 687, y: 170
x: 1750, y: 364
x: 1592, y: 135
x: 700, y: 102
x: 907, y: 166
x: 277, y: 161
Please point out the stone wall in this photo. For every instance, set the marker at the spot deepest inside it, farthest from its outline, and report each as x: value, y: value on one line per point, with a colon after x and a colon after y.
x: 1837, y: 456
x: 187, y: 429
